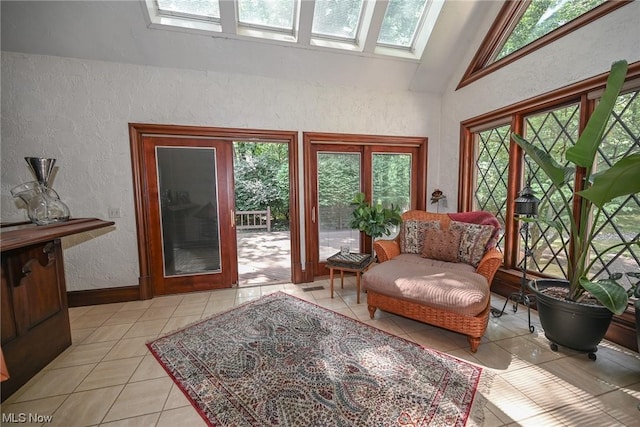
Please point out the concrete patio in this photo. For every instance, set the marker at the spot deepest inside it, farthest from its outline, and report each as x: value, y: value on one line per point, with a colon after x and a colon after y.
x: 264, y: 257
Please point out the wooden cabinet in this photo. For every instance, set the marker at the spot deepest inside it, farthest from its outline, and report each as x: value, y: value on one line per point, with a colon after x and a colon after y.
x: 34, y: 311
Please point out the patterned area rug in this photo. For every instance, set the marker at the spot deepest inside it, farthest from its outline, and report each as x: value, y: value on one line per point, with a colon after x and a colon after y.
x: 282, y: 361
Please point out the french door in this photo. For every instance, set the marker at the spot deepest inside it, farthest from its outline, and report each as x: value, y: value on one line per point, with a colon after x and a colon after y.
x: 190, y: 203
x: 387, y: 170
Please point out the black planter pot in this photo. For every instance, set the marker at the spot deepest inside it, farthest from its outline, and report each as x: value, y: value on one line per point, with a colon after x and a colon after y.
x: 573, y: 325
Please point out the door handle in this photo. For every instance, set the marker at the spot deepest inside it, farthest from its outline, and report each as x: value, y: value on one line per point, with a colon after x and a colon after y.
x: 313, y: 214
x: 233, y: 218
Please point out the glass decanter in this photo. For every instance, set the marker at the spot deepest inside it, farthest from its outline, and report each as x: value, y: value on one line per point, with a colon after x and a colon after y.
x: 43, y: 203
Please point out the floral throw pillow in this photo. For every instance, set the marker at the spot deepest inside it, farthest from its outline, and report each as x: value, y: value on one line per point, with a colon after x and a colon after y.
x: 442, y: 245
x: 473, y: 241
x: 412, y: 235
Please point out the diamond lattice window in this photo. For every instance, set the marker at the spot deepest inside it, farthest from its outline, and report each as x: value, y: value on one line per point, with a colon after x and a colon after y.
x: 620, y: 220
x: 492, y: 168
x: 554, y: 132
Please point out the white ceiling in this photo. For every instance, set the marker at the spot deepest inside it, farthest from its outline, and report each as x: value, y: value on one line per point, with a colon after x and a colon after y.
x: 117, y: 31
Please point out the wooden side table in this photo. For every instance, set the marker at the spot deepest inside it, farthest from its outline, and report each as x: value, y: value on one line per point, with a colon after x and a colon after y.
x: 352, y: 263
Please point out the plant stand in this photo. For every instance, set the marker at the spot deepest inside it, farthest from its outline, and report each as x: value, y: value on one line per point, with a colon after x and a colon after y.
x: 520, y: 296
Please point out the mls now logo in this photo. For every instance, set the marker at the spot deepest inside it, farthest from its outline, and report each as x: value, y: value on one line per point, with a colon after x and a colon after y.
x: 22, y: 417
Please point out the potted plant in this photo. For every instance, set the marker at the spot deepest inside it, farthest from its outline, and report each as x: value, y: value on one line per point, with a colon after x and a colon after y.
x: 373, y: 220
x: 569, y: 320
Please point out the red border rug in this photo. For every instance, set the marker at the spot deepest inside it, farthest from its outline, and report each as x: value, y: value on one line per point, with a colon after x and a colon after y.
x: 282, y: 361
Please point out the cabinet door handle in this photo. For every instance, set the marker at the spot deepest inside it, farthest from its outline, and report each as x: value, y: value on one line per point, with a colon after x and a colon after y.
x: 48, y: 248
x: 26, y: 269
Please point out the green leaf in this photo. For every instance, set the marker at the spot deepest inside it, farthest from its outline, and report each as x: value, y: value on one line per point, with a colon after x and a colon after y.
x: 621, y: 179
x: 558, y: 174
x: 584, y: 151
x: 358, y: 199
x: 608, y: 292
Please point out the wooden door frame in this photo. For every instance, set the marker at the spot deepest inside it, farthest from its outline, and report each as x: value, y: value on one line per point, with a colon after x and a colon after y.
x: 419, y: 178
x: 142, y: 200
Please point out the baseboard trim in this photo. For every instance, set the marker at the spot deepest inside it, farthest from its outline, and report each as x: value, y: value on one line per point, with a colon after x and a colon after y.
x: 103, y: 296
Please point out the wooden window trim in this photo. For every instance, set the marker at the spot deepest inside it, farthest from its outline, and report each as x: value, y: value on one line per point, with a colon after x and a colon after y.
x: 507, y: 280
x: 504, y: 24
x: 382, y: 143
x: 575, y: 93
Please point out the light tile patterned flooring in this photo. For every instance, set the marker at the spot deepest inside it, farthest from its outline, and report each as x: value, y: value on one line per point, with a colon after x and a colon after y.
x: 109, y: 378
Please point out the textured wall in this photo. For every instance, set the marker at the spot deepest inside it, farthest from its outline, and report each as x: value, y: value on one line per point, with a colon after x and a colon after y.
x: 584, y: 53
x: 77, y: 111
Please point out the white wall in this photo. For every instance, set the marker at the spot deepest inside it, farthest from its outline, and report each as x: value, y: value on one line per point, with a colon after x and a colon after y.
x: 77, y: 111
x: 582, y: 54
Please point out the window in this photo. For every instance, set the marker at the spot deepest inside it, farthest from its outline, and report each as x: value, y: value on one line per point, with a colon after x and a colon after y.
x: 401, y: 22
x: 389, y: 170
x: 498, y: 170
x: 552, y: 131
x: 265, y: 14
x: 338, y: 19
x: 542, y: 17
x: 398, y: 28
x: 198, y: 9
x: 492, y: 164
x: 522, y: 27
x: 621, y: 216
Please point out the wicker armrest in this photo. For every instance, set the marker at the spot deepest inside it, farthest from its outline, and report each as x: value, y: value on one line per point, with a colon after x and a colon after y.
x: 386, y: 249
x: 489, y: 264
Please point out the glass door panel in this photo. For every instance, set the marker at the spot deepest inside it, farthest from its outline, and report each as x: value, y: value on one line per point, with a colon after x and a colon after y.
x: 189, y: 183
x: 338, y: 183
x: 188, y: 199
x: 391, y: 177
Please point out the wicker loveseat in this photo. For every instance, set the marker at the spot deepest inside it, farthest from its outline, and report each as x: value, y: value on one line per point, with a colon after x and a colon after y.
x: 452, y: 295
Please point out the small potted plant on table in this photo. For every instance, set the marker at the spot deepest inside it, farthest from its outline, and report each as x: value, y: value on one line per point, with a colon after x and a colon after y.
x: 373, y: 220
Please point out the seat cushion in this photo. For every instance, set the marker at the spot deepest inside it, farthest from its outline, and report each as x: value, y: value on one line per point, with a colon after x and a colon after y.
x: 430, y: 262
x: 454, y: 289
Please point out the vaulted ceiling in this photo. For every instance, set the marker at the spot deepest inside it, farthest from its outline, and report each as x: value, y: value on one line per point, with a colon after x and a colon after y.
x: 120, y: 31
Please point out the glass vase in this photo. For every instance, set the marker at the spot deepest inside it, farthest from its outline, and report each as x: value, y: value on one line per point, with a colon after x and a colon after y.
x: 43, y: 204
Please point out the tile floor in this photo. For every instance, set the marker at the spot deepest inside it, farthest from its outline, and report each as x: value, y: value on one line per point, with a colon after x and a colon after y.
x: 108, y: 377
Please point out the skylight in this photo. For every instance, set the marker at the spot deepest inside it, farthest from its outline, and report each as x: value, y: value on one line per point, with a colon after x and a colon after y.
x: 337, y: 19
x: 197, y: 9
x: 392, y: 28
x: 401, y: 21
x: 268, y: 14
